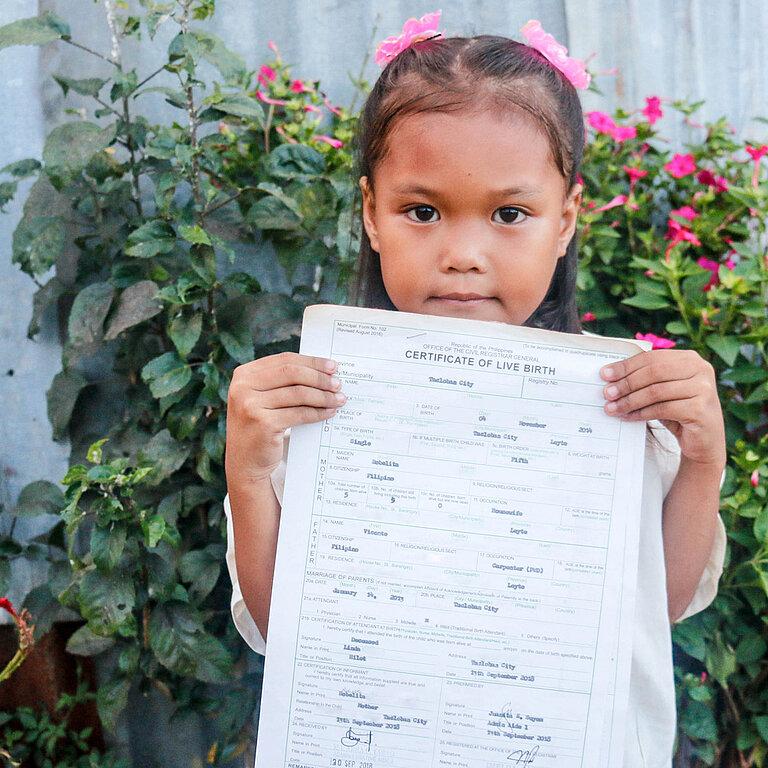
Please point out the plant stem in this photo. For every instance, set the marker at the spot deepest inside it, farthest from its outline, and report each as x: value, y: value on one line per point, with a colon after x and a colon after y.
x: 91, y: 51
x: 149, y: 77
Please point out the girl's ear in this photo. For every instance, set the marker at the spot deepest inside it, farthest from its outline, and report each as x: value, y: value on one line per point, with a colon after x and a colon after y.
x: 570, y: 215
x: 369, y: 213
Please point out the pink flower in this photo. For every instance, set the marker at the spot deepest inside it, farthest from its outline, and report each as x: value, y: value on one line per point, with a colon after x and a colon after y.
x: 754, y: 478
x: 601, y: 122
x: 587, y: 317
x: 313, y: 108
x: 703, y: 677
x: 335, y: 110
x: 267, y: 100
x: 579, y: 179
x: 658, y: 341
x: 297, y: 86
x: 652, y: 109
x: 756, y: 152
x: 681, y: 165
x: 624, y: 132
x: 686, y: 212
x: 649, y: 272
x: 618, y: 200
x: 546, y: 45
x: 718, y: 182
x: 266, y: 75
x: 271, y: 45
x: 335, y: 143
x: 414, y: 30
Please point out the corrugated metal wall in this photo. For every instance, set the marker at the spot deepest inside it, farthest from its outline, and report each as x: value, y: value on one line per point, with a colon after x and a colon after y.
x: 669, y: 48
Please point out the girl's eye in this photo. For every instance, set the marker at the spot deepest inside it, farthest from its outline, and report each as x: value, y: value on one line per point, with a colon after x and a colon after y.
x: 508, y: 215
x: 423, y: 214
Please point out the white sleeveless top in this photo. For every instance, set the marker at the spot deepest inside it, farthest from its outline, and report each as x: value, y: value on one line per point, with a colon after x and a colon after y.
x: 651, y: 714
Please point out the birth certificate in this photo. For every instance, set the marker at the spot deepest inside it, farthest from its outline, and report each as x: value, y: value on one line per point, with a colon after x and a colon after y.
x: 457, y: 554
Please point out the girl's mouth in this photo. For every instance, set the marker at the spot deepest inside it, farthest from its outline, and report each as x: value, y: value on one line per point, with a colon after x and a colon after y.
x: 464, y: 298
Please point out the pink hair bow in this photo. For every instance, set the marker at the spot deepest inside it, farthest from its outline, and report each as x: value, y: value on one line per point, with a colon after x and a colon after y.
x: 545, y: 44
x: 414, y: 30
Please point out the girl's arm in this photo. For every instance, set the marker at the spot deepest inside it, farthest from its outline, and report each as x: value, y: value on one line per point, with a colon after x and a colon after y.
x: 265, y: 398
x: 678, y: 388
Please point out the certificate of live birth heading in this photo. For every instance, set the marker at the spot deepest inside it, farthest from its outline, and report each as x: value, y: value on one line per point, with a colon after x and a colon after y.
x: 457, y: 554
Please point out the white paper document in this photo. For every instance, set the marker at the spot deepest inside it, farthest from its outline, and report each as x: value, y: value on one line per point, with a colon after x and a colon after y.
x: 457, y: 555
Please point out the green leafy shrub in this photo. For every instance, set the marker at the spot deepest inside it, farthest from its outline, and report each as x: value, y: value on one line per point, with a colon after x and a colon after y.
x: 162, y: 238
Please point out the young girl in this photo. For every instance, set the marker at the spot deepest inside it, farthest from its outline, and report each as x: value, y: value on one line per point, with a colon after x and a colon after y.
x: 470, y: 151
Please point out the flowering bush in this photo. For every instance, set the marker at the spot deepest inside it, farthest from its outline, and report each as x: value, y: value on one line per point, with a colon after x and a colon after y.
x: 166, y: 238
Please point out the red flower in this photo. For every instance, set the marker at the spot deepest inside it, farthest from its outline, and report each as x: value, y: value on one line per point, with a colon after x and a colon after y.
x: 635, y: 173
x: 718, y: 182
x: 267, y: 100
x: 714, y: 268
x: 754, y: 478
x: 335, y: 110
x: 298, y: 86
x: 618, y: 200
x: 659, y: 342
x: 681, y: 165
x: 5, y: 603
x: 587, y: 317
x: 686, y: 212
x: 756, y: 152
x: 335, y: 143
x: 652, y: 109
x: 677, y: 233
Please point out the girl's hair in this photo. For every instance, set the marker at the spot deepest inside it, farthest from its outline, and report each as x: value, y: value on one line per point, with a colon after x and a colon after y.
x: 479, y: 73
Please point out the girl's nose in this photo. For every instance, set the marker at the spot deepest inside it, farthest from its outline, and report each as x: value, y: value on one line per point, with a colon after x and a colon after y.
x: 464, y: 250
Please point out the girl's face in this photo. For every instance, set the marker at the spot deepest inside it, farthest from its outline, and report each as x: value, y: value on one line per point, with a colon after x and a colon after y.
x: 469, y: 215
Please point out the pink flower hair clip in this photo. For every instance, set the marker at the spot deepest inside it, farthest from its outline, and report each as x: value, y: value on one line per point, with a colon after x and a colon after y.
x: 414, y: 30
x: 546, y: 45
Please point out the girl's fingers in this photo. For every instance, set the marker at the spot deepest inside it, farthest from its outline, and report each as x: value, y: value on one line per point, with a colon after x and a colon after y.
x: 301, y: 414
x: 285, y: 370
x: 640, y: 370
x: 290, y: 397
x: 658, y: 392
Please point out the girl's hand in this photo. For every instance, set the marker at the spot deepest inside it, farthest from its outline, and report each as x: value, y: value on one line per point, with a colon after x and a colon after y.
x: 678, y: 388
x: 265, y: 398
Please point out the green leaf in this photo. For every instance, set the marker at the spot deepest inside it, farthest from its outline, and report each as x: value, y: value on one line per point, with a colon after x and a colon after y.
x: 107, y: 545
x: 760, y: 526
x: 241, y: 105
x: 87, y: 87
x: 61, y: 398
x: 698, y: 721
x: 751, y: 648
x: 150, y: 239
x: 164, y: 454
x: 37, y: 243
x: 271, y: 213
x: 727, y: 347
x: 137, y: 303
x: 42, y: 299
x: 106, y: 601
x: 86, y: 319
x: 37, y: 30
x: 39, y: 498
x: 194, y: 234
x: 201, y: 568
x: 234, y: 328
x: 166, y: 374
x: 154, y: 528
x: 111, y: 700
x: 84, y: 643
x: 96, y: 452
x: 285, y: 199
x: 181, y: 644
x: 761, y: 723
x: 647, y: 300
x: 184, y: 331
x: 230, y: 65
x: 69, y: 148
x: 5, y: 576
x: 295, y: 161
x: 720, y: 661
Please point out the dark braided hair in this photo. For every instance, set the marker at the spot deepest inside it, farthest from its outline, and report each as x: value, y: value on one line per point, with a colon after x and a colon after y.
x: 485, y: 72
